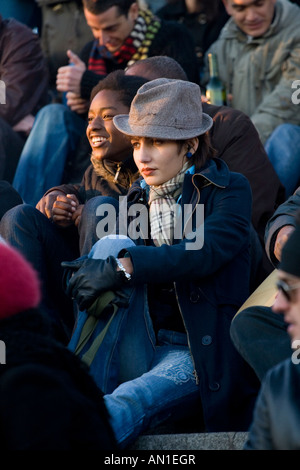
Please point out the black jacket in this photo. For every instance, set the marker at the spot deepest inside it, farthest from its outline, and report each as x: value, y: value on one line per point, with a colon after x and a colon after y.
x: 276, y: 423
x: 204, y: 29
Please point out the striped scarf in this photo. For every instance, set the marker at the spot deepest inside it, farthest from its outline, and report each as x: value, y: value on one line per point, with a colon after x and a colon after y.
x: 135, y: 47
x: 163, y: 208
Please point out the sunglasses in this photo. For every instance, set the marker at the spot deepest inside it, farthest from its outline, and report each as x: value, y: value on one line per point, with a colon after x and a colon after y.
x: 286, y: 289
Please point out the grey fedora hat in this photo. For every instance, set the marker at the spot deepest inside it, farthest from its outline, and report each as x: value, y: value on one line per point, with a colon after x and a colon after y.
x: 166, y: 109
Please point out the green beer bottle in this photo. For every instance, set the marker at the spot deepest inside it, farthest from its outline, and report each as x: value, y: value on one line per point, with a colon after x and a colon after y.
x: 215, y: 90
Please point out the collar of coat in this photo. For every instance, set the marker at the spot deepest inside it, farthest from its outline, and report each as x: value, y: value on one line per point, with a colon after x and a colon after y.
x: 215, y: 172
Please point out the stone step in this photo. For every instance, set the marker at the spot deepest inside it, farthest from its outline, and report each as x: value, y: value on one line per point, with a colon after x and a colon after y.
x: 192, y: 441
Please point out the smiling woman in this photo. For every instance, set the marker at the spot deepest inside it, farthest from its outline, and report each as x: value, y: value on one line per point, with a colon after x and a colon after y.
x: 41, y: 238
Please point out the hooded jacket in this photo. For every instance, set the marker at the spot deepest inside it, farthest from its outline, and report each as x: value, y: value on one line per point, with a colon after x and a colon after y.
x: 259, y: 72
x: 210, y: 284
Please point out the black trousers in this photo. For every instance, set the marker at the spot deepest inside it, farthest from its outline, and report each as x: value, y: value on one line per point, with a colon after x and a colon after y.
x: 9, y: 197
x: 261, y: 338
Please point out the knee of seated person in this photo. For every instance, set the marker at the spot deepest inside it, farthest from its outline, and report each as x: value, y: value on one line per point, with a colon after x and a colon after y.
x: 16, y: 215
x: 97, y: 208
x: 52, y: 112
x: 239, y: 325
x: 286, y: 131
x: 110, y: 245
x: 246, y: 321
x: 95, y: 205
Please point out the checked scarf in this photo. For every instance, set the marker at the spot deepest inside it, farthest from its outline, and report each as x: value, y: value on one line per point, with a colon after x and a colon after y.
x: 135, y: 47
x: 163, y: 208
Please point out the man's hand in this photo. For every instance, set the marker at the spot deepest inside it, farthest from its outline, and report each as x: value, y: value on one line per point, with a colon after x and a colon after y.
x: 69, y: 77
x: 76, y: 103
x: 281, y: 239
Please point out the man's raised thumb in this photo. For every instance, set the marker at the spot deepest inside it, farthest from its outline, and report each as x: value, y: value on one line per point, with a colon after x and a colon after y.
x: 73, y: 58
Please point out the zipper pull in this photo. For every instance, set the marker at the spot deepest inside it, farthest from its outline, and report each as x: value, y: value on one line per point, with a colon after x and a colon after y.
x: 117, y: 173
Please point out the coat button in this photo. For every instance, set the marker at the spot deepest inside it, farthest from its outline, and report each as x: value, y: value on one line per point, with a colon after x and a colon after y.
x: 214, y: 386
x: 206, y: 340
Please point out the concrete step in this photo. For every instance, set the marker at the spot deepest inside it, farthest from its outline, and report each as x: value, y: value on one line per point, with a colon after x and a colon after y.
x: 192, y: 441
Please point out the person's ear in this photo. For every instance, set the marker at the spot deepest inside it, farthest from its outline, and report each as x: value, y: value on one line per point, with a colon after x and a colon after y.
x: 192, y: 145
x: 133, y: 11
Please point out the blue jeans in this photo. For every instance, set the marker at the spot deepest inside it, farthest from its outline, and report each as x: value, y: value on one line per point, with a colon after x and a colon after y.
x: 145, y: 380
x: 168, y: 391
x: 55, y: 135
x: 283, y: 149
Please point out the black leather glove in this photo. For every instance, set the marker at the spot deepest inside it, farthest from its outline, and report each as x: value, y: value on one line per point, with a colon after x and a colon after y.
x: 91, y: 278
x: 69, y: 268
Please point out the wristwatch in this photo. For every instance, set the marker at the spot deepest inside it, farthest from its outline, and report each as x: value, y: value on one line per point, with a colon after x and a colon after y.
x: 120, y: 265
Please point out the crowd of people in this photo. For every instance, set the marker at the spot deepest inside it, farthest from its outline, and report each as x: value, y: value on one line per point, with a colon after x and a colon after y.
x: 149, y: 240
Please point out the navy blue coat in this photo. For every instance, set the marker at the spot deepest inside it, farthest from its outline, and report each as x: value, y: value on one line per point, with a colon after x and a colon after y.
x: 211, y: 283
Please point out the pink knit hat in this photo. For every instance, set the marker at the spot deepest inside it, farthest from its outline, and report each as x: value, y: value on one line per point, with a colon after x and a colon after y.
x: 19, y: 283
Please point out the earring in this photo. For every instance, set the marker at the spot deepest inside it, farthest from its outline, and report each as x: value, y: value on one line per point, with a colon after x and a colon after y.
x: 189, y: 154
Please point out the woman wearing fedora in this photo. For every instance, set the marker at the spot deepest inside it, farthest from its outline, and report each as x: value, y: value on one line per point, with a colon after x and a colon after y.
x: 189, y: 280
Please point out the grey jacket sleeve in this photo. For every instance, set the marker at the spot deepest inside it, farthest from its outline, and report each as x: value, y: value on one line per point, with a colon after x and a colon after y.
x: 284, y: 215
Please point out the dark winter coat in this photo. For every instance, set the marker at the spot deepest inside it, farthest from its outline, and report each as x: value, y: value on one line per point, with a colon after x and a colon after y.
x: 210, y: 285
